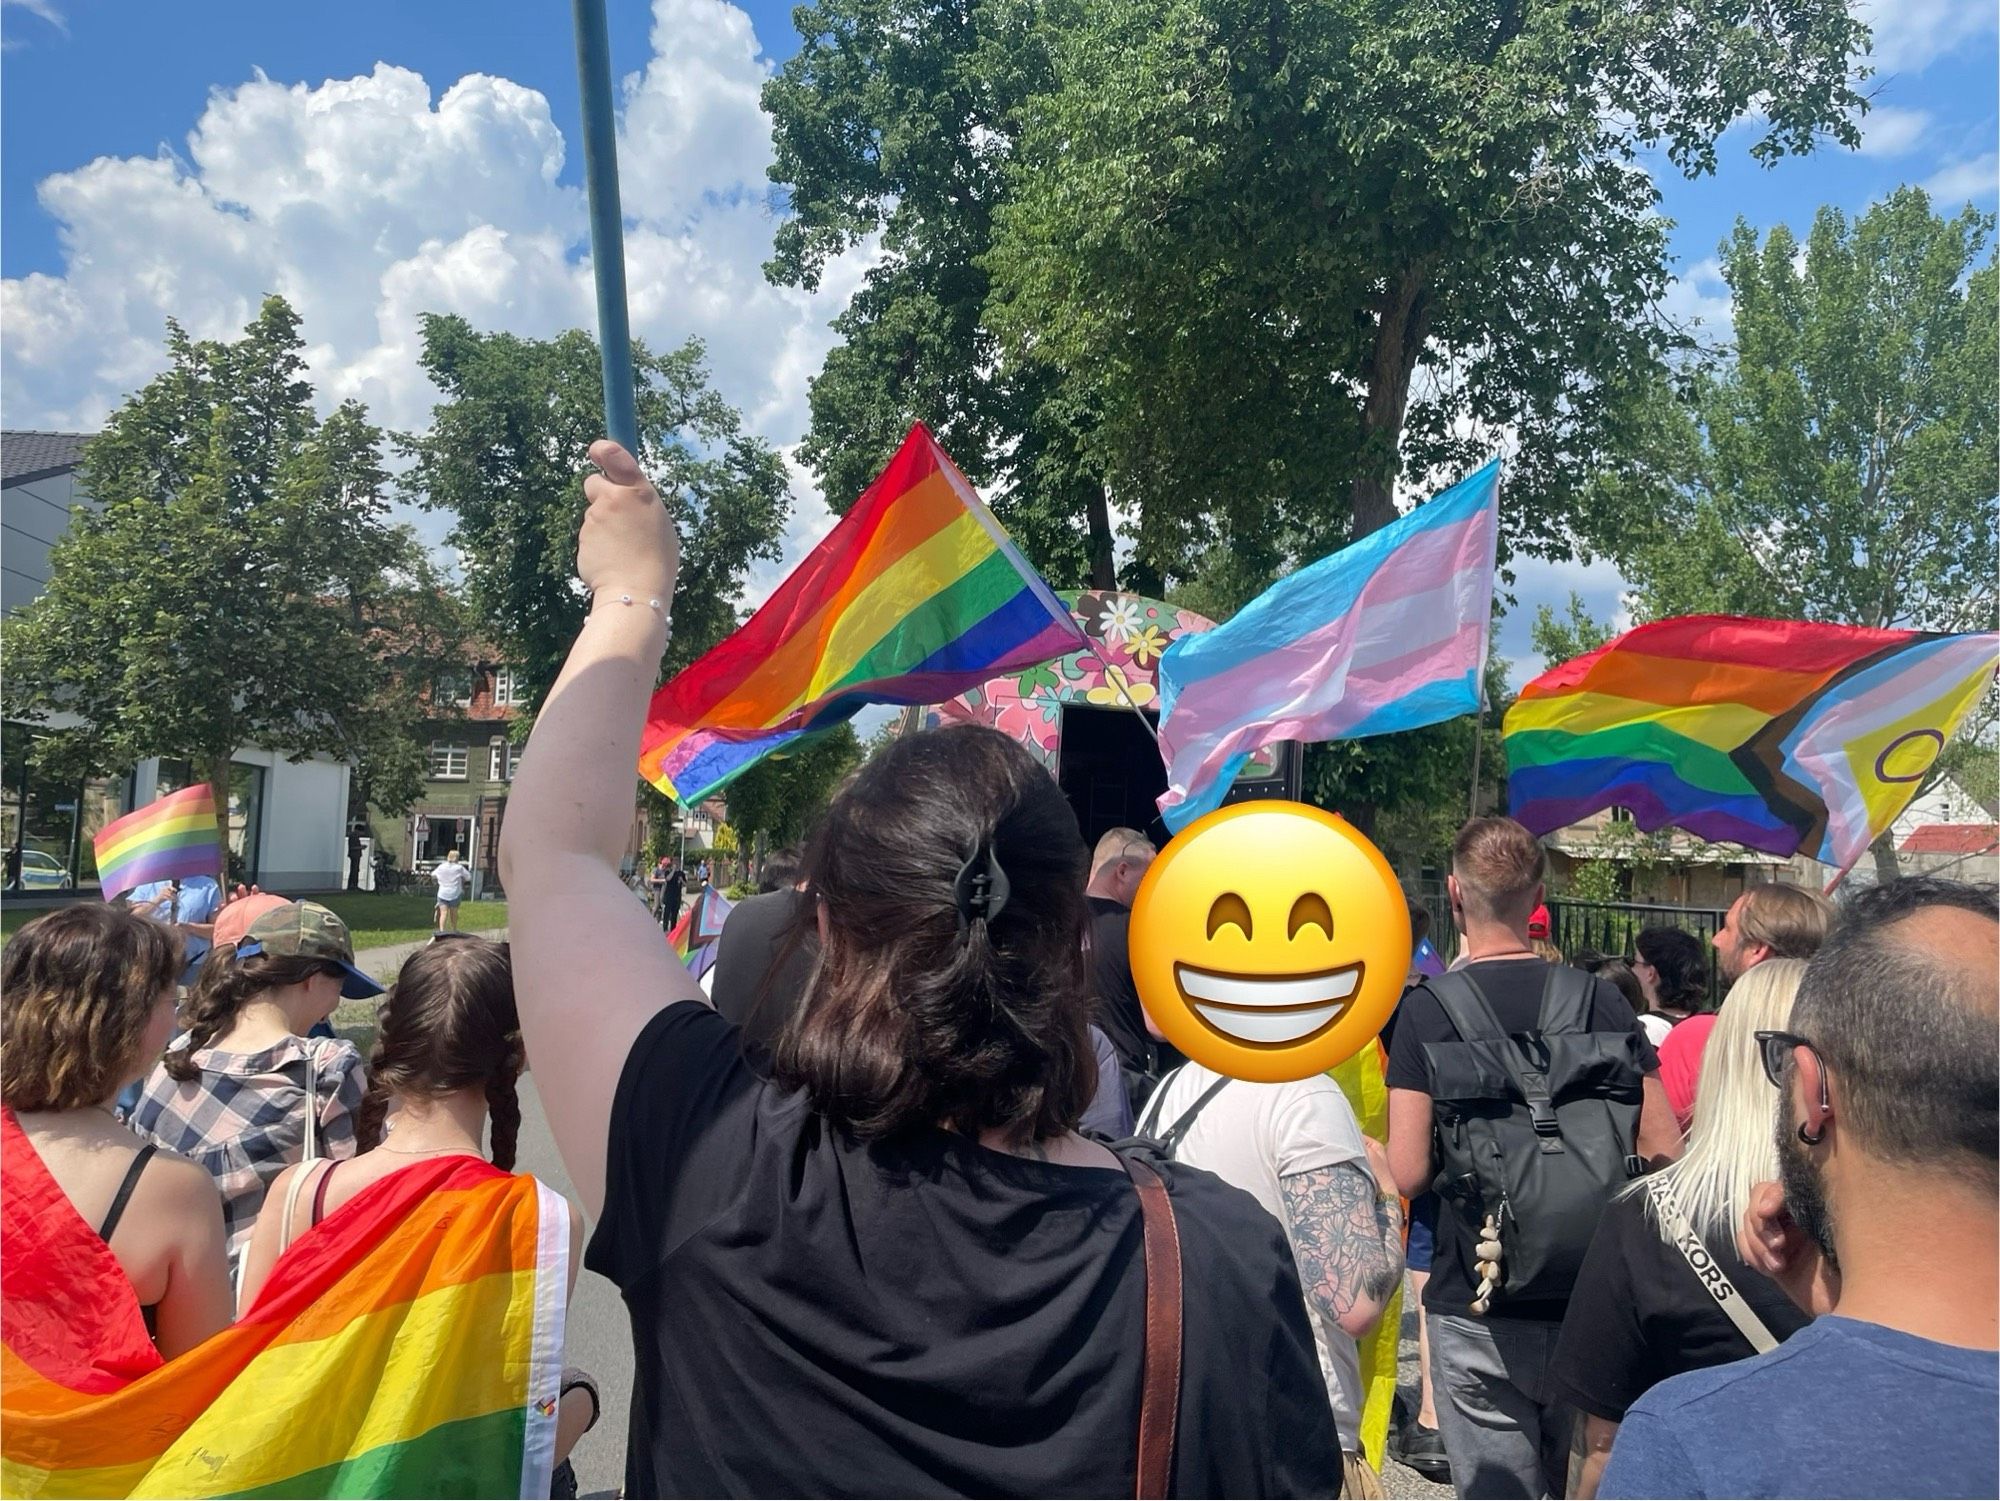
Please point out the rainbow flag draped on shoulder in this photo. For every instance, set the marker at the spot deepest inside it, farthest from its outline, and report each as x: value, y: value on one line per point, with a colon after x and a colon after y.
x: 915, y: 596
x: 172, y: 837
x: 1783, y: 735
x: 410, y: 1345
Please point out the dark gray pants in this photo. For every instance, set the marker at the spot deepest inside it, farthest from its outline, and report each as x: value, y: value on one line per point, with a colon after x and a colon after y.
x: 1505, y: 1430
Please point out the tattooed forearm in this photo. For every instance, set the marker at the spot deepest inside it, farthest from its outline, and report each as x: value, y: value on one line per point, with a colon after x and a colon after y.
x: 1349, y: 1243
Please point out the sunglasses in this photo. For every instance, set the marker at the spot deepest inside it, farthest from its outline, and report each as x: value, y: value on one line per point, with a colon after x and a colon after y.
x: 1774, y: 1050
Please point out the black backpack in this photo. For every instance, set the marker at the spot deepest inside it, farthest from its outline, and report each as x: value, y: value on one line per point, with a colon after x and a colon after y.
x: 1534, y: 1131
x: 1168, y: 1142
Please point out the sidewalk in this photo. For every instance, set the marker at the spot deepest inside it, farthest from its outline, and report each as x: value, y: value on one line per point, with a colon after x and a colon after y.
x: 383, y: 963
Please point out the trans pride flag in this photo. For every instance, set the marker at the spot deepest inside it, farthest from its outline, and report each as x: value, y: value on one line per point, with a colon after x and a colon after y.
x: 163, y: 840
x: 1782, y: 735
x: 410, y: 1345
x: 915, y: 596
x: 1388, y: 634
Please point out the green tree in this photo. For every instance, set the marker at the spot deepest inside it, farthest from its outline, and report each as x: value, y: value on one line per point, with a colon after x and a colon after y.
x: 894, y: 120
x: 1559, y: 638
x: 1289, y: 254
x: 1860, y: 402
x: 779, y: 797
x: 504, y: 457
x: 1840, y: 463
x: 238, y: 584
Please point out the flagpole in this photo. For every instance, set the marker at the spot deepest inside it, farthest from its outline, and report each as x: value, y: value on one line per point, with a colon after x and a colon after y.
x: 1478, y: 739
x: 607, y: 221
x: 1117, y: 681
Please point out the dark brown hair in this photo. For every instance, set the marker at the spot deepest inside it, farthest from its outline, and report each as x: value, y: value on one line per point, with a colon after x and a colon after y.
x: 1498, y: 864
x: 79, y: 988
x: 223, y: 988
x: 449, y: 1024
x: 917, y: 1016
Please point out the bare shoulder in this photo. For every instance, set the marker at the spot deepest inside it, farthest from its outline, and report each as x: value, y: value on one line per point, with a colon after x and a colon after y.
x: 172, y: 1178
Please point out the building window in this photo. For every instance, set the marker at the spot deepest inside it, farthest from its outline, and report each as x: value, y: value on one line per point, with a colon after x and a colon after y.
x: 508, y: 688
x: 453, y: 687
x: 503, y: 759
x: 448, y: 762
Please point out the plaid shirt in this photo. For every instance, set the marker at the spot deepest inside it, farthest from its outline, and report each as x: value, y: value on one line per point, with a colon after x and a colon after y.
x: 243, y: 1120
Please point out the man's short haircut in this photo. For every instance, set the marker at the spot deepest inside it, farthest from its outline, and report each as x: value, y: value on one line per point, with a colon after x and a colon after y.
x: 1790, y: 921
x: 1498, y: 864
x: 1909, y: 1032
x: 1121, y: 844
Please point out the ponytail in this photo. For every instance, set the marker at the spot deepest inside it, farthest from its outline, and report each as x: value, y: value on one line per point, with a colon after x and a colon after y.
x: 503, y: 1105
x: 449, y: 1024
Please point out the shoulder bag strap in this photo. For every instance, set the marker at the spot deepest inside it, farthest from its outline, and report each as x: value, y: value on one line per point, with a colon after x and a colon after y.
x: 311, y: 1153
x: 1707, y: 1270
x: 1160, y: 1389
x: 292, y: 1196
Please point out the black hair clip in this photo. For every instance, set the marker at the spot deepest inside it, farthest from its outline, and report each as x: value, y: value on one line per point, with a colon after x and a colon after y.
x: 980, y: 888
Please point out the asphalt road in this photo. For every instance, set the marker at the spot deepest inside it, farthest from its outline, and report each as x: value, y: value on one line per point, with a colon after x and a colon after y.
x: 600, y: 1340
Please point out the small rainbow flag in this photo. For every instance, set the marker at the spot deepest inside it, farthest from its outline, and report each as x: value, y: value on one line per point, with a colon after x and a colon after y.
x: 694, y: 936
x: 172, y: 837
x: 410, y: 1345
x: 915, y: 596
x: 1782, y: 735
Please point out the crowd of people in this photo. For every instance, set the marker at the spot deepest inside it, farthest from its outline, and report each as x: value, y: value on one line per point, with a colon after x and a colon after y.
x: 915, y: 1200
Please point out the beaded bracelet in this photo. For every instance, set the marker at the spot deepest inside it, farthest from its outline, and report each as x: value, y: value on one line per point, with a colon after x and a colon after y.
x: 652, y: 604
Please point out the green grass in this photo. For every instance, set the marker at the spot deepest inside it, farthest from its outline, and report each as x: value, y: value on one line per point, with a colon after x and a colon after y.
x: 376, y: 919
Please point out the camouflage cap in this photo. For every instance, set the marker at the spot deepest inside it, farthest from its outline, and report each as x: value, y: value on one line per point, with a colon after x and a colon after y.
x: 310, y: 931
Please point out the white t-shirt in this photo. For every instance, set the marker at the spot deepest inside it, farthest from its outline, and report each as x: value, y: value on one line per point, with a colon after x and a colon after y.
x: 1252, y: 1135
x: 1656, y: 1027
x: 451, y: 879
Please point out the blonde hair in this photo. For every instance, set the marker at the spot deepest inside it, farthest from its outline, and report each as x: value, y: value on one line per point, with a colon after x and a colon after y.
x: 1790, y: 921
x: 1730, y: 1149
x: 1120, y: 844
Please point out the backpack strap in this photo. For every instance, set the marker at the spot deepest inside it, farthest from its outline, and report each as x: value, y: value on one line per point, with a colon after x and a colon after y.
x: 1169, y: 1141
x: 1567, y: 997
x: 1465, y: 1006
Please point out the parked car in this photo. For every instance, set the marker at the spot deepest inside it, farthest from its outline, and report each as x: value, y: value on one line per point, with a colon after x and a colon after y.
x: 44, y: 872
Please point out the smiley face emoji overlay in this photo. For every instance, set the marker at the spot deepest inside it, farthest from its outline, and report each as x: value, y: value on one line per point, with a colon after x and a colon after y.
x: 1270, y: 941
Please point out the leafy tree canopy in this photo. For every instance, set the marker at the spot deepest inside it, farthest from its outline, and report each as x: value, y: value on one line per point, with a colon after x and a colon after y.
x: 781, y: 796
x: 1560, y: 638
x: 238, y: 584
x: 503, y: 454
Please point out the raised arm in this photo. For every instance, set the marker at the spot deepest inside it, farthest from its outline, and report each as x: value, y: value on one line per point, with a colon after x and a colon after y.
x: 590, y: 966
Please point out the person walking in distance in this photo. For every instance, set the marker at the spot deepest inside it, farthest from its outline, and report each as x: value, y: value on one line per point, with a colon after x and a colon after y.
x: 1516, y: 1218
x: 1888, y: 1139
x: 452, y: 880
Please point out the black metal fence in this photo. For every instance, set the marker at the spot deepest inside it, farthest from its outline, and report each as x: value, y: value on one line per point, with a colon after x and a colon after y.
x: 1582, y: 928
x: 1608, y: 928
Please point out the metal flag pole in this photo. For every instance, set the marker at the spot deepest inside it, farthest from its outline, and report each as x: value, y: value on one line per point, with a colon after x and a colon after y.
x: 607, y: 221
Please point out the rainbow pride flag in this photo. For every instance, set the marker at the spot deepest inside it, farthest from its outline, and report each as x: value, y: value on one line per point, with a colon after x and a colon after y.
x: 694, y: 936
x: 172, y: 837
x: 1777, y: 734
x: 915, y: 596
x: 410, y: 1345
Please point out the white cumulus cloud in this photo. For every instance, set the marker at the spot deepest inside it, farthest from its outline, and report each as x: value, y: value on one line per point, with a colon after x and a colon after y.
x: 1972, y: 181
x: 1910, y: 34
x: 1888, y: 130
x: 368, y: 201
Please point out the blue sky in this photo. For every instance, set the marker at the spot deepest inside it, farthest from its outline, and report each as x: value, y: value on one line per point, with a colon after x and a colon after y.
x: 186, y: 157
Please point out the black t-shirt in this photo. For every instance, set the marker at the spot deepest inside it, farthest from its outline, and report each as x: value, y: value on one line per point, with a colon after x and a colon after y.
x: 1639, y: 1314
x: 1513, y: 988
x: 812, y: 1315
x: 1119, y: 1013
x: 765, y: 962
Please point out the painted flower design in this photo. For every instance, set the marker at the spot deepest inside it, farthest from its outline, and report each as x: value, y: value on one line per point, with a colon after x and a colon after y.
x: 1035, y: 680
x: 1146, y: 645
x: 1119, y: 691
x: 1119, y: 620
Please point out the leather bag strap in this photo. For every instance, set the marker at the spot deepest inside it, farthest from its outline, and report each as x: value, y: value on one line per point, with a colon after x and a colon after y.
x: 1160, y: 1393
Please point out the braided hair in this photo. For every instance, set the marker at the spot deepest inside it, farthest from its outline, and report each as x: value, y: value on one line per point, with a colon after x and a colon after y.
x: 224, y: 987
x: 449, y: 1024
